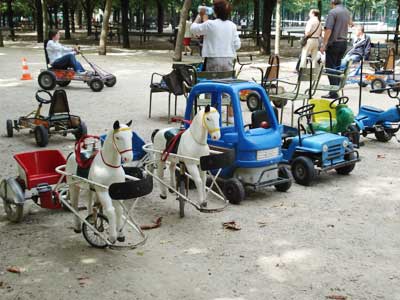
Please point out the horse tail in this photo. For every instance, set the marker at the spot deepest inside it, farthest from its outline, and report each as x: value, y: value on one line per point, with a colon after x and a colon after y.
x: 154, y: 134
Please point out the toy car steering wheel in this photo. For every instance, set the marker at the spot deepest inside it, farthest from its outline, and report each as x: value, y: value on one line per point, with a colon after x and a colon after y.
x: 43, y: 100
x: 304, y: 109
x: 340, y: 100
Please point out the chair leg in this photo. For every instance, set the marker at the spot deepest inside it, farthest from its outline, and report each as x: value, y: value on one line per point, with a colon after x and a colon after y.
x: 291, y: 121
x: 176, y: 101
x: 169, y: 108
x: 151, y: 99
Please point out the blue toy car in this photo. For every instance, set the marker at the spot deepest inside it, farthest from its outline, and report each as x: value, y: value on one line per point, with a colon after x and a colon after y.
x: 315, y: 151
x: 256, y: 143
x: 384, y: 124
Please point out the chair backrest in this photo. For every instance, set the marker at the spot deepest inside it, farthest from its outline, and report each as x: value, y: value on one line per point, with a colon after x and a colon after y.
x: 272, y: 71
x: 390, y: 61
x: 211, y: 75
x: 45, y: 52
x: 59, y: 103
x: 306, y: 75
x: 257, y: 117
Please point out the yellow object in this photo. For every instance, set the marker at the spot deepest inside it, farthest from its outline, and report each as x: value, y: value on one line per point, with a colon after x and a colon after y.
x: 320, y: 105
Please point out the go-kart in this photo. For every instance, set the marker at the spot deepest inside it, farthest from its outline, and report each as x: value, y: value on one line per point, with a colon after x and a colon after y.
x: 384, y: 124
x: 96, y: 79
x: 58, y: 121
x: 312, y: 152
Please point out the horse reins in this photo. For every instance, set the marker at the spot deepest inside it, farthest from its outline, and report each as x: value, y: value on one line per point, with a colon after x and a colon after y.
x: 116, y: 147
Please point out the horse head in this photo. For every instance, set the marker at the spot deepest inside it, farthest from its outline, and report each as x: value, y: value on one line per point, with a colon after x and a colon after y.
x: 344, y: 117
x: 122, y: 140
x: 211, y: 122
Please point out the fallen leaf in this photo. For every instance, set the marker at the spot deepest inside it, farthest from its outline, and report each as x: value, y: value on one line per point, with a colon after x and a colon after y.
x: 336, y: 297
x: 140, y: 253
x: 83, y: 280
x: 330, y: 225
x: 16, y: 270
x: 156, y: 224
x: 231, y: 225
x: 262, y: 224
x: 381, y: 156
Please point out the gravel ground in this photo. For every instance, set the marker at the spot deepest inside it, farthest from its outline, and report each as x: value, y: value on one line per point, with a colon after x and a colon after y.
x: 335, y: 238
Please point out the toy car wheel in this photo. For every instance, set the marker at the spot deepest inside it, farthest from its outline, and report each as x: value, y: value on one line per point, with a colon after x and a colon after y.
x: 383, y: 136
x: 283, y: 172
x: 10, y: 192
x: 111, y: 82
x: 303, y: 170
x: 234, y: 191
x: 353, y: 134
x: 64, y: 83
x: 41, y: 136
x: 279, y: 104
x: 346, y: 169
x: 378, y: 83
x: 10, y: 128
x: 47, y: 80
x: 253, y: 102
x: 81, y: 130
x: 96, y: 84
x: 100, y: 223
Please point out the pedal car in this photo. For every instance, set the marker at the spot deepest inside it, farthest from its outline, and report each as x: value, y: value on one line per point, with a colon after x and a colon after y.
x: 58, y: 121
x: 36, y: 176
x: 384, y: 124
x: 256, y: 143
x: 314, y: 151
x: 96, y: 79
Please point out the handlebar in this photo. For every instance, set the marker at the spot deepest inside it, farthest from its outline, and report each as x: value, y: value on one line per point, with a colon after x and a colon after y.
x: 43, y: 100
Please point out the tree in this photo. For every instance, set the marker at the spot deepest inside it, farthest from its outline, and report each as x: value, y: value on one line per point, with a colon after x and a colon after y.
x: 160, y: 16
x: 266, y: 34
x: 39, y: 21
x: 66, y: 23
x: 10, y: 17
x: 181, y: 31
x: 104, y: 28
x: 257, y: 21
x: 45, y: 17
x: 125, y: 23
x: 277, y: 26
x: 88, y: 6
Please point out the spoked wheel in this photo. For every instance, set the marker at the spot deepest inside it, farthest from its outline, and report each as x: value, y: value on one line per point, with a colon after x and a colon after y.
x: 41, y: 136
x: 10, y: 128
x: 100, y: 223
x: 64, y: 83
x: 13, y: 196
x: 81, y: 130
x: 253, y: 102
x: 234, y: 191
x: 383, y: 135
x: 284, y: 173
x: 47, y: 80
x: 111, y: 82
x: 303, y: 170
x: 96, y: 84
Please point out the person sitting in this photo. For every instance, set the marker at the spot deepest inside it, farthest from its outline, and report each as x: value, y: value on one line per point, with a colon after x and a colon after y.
x: 361, y: 48
x: 61, y: 57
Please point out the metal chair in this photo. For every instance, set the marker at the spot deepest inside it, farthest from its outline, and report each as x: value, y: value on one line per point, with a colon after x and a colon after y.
x: 341, y: 74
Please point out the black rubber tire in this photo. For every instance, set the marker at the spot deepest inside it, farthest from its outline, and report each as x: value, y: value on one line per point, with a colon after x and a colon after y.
x: 346, y: 170
x: 96, y: 84
x: 47, y: 80
x: 111, y: 82
x: 353, y: 134
x: 253, y: 102
x: 14, y: 212
x: 91, y: 237
x: 10, y: 128
x: 182, y: 190
x: 63, y: 83
x: 279, y: 104
x: 234, y: 191
x: 81, y: 130
x: 378, y: 83
x: 41, y: 136
x: 303, y: 170
x: 383, y: 136
x: 283, y: 172
x: 363, y: 84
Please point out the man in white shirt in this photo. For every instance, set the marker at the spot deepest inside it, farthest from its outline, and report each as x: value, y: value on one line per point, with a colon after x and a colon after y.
x: 61, y: 57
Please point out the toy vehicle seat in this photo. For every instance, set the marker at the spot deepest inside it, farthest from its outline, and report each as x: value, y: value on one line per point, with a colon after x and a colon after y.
x: 258, y: 117
x: 59, y: 108
x: 322, y: 121
x: 372, y: 109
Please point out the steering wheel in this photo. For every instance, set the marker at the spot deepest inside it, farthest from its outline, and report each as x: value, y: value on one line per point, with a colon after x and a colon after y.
x: 304, y: 109
x: 43, y: 100
x: 340, y: 100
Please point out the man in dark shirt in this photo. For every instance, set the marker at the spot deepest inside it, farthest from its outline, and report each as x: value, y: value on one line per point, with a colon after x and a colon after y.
x: 335, y: 39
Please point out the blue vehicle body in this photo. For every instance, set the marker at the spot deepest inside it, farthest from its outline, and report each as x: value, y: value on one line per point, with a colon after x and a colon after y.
x: 257, y: 150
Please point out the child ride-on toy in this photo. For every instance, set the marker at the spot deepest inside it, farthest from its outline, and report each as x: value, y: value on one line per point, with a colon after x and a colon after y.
x: 314, y: 151
x: 59, y: 120
x: 384, y: 124
x: 96, y: 79
x: 256, y: 143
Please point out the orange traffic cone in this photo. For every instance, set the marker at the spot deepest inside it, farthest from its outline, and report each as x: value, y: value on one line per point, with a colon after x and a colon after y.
x: 25, y: 71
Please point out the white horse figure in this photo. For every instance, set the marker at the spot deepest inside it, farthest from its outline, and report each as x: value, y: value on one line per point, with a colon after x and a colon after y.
x: 193, y: 144
x: 105, y: 169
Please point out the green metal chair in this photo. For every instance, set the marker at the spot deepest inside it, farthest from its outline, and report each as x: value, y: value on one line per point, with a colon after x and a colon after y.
x: 341, y: 74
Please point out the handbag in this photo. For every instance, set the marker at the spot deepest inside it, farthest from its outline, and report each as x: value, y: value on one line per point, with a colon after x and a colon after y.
x: 304, y: 39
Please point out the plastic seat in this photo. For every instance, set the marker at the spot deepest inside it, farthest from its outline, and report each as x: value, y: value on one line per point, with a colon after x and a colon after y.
x: 371, y: 108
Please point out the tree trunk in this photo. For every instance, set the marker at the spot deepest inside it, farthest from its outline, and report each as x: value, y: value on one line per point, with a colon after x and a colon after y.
x: 79, y: 18
x: 50, y: 18
x: 45, y: 17
x: 320, y: 9
x: 266, y: 34
x: 104, y: 28
x: 55, y: 12
x: 256, y: 28
x: 88, y: 7
x: 66, y: 24
x: 160, y: 16
x: 277, y: 26
x: 181, y: 31
x: 72, y: 10
x: 10, y: 18
x: 39, y: 21
x: 125, y: 23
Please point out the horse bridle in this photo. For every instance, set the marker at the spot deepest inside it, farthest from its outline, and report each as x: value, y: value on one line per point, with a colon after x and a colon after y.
x: 210, y: 131
x: 116, y: 147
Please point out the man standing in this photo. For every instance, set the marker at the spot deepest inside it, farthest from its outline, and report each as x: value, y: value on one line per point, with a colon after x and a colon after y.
x: 335, y: 39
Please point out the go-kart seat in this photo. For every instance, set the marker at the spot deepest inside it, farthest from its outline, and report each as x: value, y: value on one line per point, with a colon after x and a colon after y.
x: 372, y: 109
x: 59, y: 108
x: 47, y: 55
